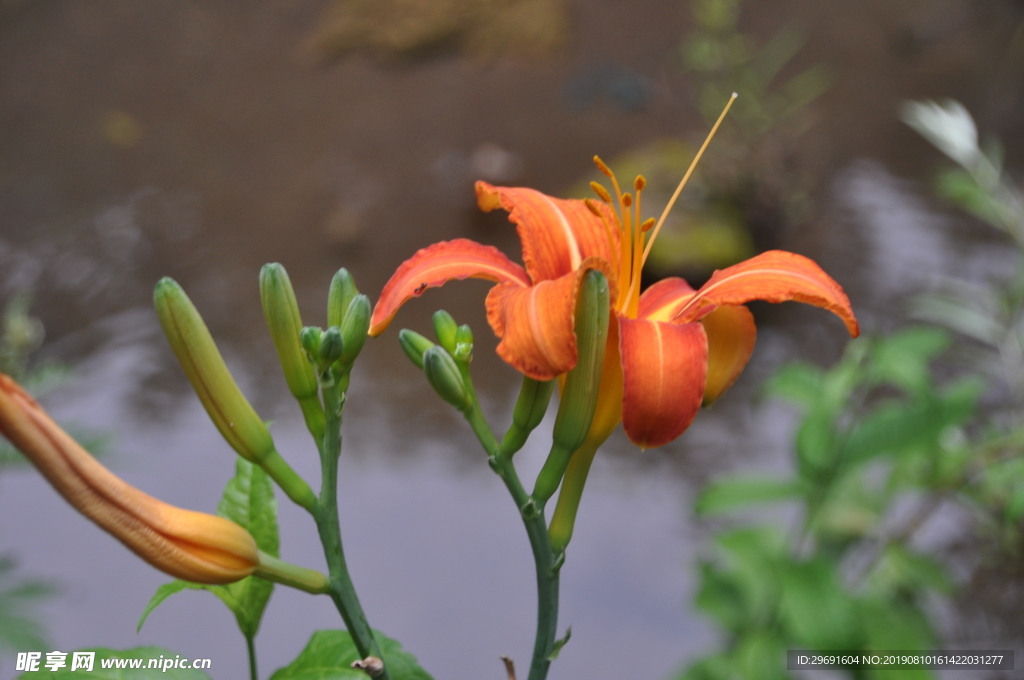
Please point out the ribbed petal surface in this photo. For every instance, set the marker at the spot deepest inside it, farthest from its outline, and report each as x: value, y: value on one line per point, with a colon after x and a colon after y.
x: 775, y: 276
x: 437, y: 264
x: 664, y: 368
x: 557, y: 234
x: 535, y: 324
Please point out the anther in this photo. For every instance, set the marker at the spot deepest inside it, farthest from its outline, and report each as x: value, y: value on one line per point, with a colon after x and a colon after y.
x: 605, y: 170
x: 589, y: 202
x: 646, y: 226
x: 601, y: 192
x: 639, y: 183
x: 627, y: 200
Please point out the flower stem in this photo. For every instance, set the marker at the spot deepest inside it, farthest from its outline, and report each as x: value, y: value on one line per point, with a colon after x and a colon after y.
x: 250, y: 643
x: 545, y: 562
x: 340, y: 586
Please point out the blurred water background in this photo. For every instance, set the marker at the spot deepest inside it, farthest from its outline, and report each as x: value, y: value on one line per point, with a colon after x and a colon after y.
x: 202, y: 140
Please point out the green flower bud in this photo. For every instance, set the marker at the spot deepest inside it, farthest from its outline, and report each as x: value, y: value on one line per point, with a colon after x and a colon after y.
x: 282, y: 314
x: 192, y: 343
x: 443, y: 375
x: 331, y: 347
x: 414, y: 345
x: 445, y: 328
x: 343, y: 289
x: 579, y: 396
x: 229, y: 410
x: 463, y: 344
x: 532, y: 403
x: 310, y: 339
x: 355, y: 327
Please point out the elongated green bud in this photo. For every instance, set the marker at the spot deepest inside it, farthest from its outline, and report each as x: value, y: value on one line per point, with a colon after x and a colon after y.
x: 331, y: 347
x: 579, y: 397
x: 355, y: 327
x: 281, y: 310
x: 192, y: 343
x: 445, y: 329
x: 463, y: 344
x: 414, y: 345
x: 343, y: 289
x: 227, y: 407
x: 443, y: 375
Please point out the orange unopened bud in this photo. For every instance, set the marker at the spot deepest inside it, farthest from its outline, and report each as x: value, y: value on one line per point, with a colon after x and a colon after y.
x: 188, y: 545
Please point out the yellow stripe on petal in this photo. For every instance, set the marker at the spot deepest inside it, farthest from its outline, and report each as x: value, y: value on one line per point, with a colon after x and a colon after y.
x: 664, y: 369
x: 557, y: 234
x: 775, y: 276
x: 535, y: 324
x: 664, y: 299
x: 437, y: 264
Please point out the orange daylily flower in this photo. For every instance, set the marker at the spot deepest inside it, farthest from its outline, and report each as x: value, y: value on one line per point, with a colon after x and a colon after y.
x: 670, y: 349
x: 188, y: 545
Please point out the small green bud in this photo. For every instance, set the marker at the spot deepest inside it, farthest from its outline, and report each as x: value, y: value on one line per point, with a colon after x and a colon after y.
x: 192, y: 343
x: 443, y: 375
x: 310, y: 339
x: 414, y: 345
x: 463, y: 344
x: 281, y: 311
x: 342, y: 290
x: 532, y: 403
x: 445, y: 329
x: 331, y: 347
x: 355, y: 327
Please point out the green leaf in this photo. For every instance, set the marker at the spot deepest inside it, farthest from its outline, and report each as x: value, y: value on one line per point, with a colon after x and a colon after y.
x: 330, y: 653
x: 902, y: 359
x: 815, y: 609
x: 128, y: 669
x: 249, y: 500
x: 164, y: 592
x: 559, y: 643
x: 797, y: 383
x: 733, y: 493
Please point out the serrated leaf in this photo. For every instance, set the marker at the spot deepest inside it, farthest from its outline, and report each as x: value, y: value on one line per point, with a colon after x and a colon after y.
x: 330, y: 653
x: 733, y: 493
x: 139, y: 655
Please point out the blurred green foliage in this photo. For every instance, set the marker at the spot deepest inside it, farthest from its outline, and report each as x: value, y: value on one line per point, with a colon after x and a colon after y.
x: 901, y: 426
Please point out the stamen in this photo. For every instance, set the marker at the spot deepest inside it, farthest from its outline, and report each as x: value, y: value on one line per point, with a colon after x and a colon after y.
x: 639, y: 183
x: 589, y: 202
x: 592, y: 206
x: 646, y: 226
x: 605, y: 170
x: 601, y: 192
x: 686, y: 177
x: 627, y: 200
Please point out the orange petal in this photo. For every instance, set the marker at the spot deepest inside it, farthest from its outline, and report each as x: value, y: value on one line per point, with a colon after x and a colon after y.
x: 663, y: 300
x: 557, y: 234
x: 775, y: 276
x: 535, y: 324
x: 664, y: 369
x: 731, y: 335
x: 437, y: 264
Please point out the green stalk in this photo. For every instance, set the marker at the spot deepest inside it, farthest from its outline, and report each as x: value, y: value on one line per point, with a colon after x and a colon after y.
x: 545, y: 563
x: 250, y: 643
x: 340, y: 586
x: 564, y: 517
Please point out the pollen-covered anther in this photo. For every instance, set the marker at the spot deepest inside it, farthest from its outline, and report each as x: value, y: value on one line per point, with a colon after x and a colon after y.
x: 639, y: 183
x: 603, y: 167
x: 627, y: 200
x: 647, y: 225
x: 592, y: 207
x: 601, y: 192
